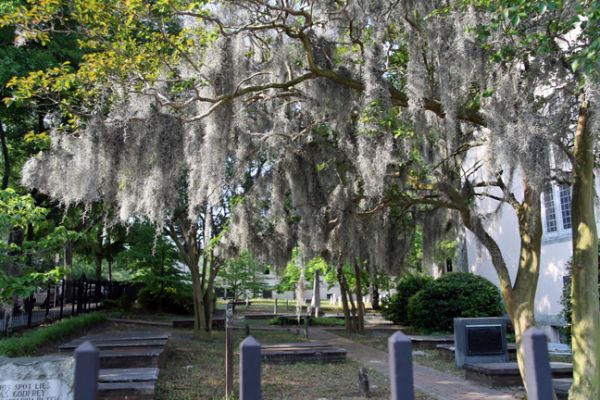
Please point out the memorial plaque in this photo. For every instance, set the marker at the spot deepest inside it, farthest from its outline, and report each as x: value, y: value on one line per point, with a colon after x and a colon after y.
x: 479, y: 340
x: 484, y: 340
x: 36, y: 378
x: 49, y: 389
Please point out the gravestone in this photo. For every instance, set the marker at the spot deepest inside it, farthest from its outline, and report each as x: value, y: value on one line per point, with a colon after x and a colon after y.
x: 36, y: 378
x: 479, y: 340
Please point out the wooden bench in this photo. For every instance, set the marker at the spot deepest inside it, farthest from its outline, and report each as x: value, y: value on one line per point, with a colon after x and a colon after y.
x: 116, y: 344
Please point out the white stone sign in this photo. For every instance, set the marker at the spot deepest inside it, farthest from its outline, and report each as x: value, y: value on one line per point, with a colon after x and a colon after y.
x: 36, y: 378
x: 30, y: 390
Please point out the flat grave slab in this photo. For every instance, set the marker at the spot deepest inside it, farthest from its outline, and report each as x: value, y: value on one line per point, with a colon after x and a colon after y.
x: 117, y: 336
x: 302, y: 352
x: 126, y: 390
x: 133, y: 358
x: 446, y: 350
x: 507, y: 373
x: 128, y: 375
x: 129, y: 363
x: 116, y: 344
x: 429, y: 342
x: 261, y: 316
x: 561, y: 387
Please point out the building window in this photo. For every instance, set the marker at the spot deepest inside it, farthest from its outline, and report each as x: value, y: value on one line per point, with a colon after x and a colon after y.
x: 556, y: 212
x: 550, y: 212
x: 565, y: 205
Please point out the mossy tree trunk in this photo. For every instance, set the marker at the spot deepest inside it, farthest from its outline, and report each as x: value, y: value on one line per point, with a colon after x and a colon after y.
x: 584, y: 287
x: 519, y: 298
x: 185, y: 236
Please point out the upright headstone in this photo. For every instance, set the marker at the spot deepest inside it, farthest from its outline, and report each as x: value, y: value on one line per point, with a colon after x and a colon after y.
x: 37, y: 378
x: 479, y: 340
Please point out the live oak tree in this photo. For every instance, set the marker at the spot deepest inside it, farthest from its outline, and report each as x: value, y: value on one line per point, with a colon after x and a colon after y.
x: 357, y: 108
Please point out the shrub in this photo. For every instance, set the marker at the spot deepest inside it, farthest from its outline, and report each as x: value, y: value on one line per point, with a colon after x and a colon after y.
x: 394, y: 308
x: 454, y: 295
x: 178, y: 300
x: 30, y: 341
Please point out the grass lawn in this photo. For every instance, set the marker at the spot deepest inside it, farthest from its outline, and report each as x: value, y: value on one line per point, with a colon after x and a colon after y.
x: 429, y: 357
x: 195, y: 370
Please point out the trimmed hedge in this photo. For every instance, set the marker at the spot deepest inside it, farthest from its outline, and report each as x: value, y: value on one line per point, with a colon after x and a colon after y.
x: 454, y: 295
x: 30, y: 341
x: 395, y: 308
x: 178, y: 300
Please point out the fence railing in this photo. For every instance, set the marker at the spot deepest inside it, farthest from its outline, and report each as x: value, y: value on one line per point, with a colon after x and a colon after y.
x: 68, y: 298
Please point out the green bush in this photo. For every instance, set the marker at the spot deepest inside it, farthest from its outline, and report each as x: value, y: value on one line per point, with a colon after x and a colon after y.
x: 178, y: 300
x: 30, y: 341
x: 454, y: 295
x: 395, y: 307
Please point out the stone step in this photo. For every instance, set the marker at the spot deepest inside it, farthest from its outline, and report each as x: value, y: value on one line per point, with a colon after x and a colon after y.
x: 126, y: 390
x: 561, y: 387
x: 302, y: 352
x: 507, y: 374
x: 133, y: 358
x: 139, y: 335
x: 116, y: 344
x: 112, y: 375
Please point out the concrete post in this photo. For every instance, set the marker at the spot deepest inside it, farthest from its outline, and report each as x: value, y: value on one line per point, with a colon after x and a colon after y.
x: 250, y: 369
x: 538, y: 375
x: 401, y: 371
x: 87, y: 363
x: 229, y: 351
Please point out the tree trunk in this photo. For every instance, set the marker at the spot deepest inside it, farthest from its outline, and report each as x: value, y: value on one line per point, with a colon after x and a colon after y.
x: 344, y: 294
x: 360, y: 314
x: 315, y: 303
x: 200, y: 325
x: 99, y: 256
x: 584, y: 287
x: 68, y: 263
x: 5, y: 157
x: 519, y: 298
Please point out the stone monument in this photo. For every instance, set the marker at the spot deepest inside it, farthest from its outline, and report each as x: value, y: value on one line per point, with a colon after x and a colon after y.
x: 479, y: 340
x: 37, y: 378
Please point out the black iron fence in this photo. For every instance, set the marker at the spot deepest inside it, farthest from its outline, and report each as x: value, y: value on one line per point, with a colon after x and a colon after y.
x: 67, y: 298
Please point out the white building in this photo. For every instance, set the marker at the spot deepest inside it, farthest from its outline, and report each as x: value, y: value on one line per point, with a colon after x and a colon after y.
x: 556, y: 246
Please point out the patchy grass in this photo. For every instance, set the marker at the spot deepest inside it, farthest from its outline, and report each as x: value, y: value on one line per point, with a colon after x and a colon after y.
x: 195, y: 370
x: 428, y: 357
x: 30, y: 341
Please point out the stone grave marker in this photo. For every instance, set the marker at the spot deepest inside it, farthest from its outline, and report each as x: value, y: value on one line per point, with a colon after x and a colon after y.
x: 36, y: 378
x: 479, y: 340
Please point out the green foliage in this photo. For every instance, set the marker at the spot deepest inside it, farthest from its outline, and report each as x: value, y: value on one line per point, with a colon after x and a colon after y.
x: 565, y: 300
x: 291, y: 274
x: 454, y: 295
x: 28, y: 343
x: 414, y: 257
x: 326, y: 321
x: 243, y: 276
x: 395, y: 308
x: 176, y: 300
x: 124, y: 41
x: 31, y: 263
x: 557, y: 19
